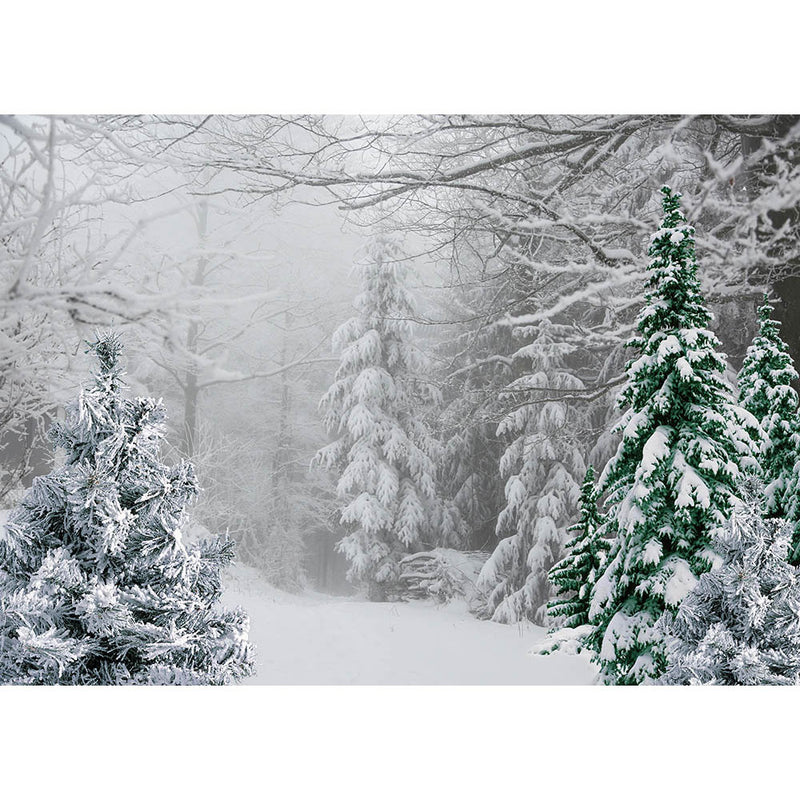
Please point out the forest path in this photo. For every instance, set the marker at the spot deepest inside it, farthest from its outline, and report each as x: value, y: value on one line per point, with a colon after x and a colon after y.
x: 320, y: 639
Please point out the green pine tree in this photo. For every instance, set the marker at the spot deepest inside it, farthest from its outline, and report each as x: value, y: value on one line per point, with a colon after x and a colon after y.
x: 575, y: 574
x: 670, y: 485
x: 98, y: 584
x: 765, y: 390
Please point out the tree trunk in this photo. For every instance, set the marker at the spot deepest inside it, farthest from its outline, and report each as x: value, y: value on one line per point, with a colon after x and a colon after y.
x: 376, y: 592
x: 191, y: 392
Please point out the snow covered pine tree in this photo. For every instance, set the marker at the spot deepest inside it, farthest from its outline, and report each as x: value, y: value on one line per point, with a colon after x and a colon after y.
x: 543, y: 464
x: 740, y: 624
x: 575, y: 575
x: 384, y: 453
x: 671, y: 484
x: 765, y: 390
x: 98, y: 586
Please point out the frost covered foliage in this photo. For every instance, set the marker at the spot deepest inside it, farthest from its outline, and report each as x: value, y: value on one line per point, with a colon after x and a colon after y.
x: 575, y: 575
x: 765, y: 391
x: 741, y: 623
x: 476, y: 370
x: 672, y: 481
x: 541, y: 464
x: 467, y: 475
x: 98, y: 585
x: 383, y: 452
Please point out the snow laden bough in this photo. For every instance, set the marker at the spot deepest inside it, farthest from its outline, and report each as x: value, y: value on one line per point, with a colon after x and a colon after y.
x: 542, y: 464
x: 442, y: 574
x: 98, y: 585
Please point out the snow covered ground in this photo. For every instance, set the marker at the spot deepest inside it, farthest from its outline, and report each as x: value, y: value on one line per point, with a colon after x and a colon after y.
x: 316, y: 639
x: 319, y: 639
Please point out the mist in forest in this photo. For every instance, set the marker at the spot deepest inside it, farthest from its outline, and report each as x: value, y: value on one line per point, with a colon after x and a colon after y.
x: 391, y: 346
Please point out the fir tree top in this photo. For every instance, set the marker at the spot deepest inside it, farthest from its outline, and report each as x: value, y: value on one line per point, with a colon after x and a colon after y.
x: 767, y: 371
x: 108, y: 348
x: 673, y: 322
x: 674, y: 299
x: 677, y: 379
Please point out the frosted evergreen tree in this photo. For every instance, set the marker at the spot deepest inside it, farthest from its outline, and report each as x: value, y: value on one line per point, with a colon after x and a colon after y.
x: 672, y: 481
x: 478, y: 367
x: 98, y: 584
x: 542, y: 491
x: 575, y: 575
x: 383, y: 452
x: 740, y: 624
x: 765, y: 390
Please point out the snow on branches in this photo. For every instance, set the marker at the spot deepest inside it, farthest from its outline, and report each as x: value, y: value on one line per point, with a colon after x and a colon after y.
x: 765, y: 390
x: 541, y: 464
x: 384, y: 454
x: 575, y: 575
x: 672, y: 482
x: 98, y: 584
x: 740, y: 624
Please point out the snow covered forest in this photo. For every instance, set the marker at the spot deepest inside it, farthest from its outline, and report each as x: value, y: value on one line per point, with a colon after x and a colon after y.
x: 400, y: 399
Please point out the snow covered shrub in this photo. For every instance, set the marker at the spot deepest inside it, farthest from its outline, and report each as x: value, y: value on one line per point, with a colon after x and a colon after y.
x: 383, y: 453
x: 673, y: 480
x: 741, y: 623
x: 98, y: 584
x: 442, y: 574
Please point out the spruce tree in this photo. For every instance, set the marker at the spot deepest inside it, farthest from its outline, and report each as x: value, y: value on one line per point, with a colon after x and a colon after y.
x: 740, y: 624
x: 98, y: 584
x: 384, y: 453
x: 765, y: 390
x: 672, y: 481
x: 575, y: 575
x: 476, y: 355
x: 541, y: 463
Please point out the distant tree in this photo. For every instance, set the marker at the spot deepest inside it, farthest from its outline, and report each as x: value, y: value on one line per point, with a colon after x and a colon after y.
x: 384, y: 455
x: 740, y: 624
x: 541, y: 464
x: 98, y: 584
x: 673, y: 480
x: 476, y: 367
x: 765, y: 390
